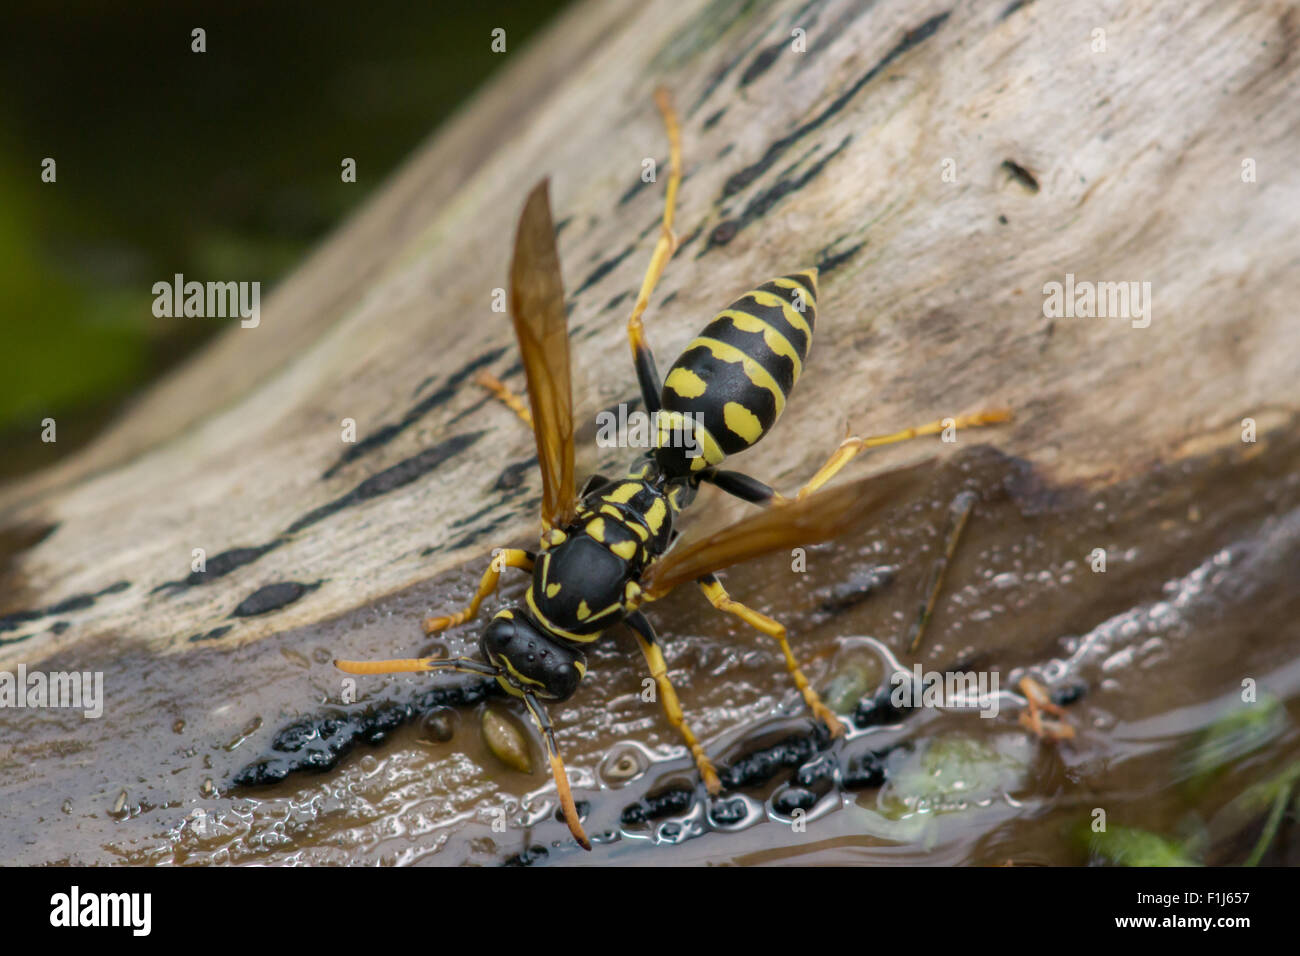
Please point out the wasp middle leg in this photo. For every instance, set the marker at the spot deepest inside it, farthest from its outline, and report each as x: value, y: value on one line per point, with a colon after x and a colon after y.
x: 506, y: 558
x: 646, y: 373
x: 720, y: 599
x: 503, y: 394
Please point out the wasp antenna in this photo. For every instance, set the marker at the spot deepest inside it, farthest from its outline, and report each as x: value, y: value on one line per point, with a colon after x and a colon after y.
x: 403, y: 665
x: 558, y: 771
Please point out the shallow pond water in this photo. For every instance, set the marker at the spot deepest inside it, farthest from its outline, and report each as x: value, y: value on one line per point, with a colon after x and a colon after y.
x: 1198, y: 596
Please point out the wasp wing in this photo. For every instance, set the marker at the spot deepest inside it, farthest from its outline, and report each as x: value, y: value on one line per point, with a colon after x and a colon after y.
x: 816, y: 518
x: 541, y: 327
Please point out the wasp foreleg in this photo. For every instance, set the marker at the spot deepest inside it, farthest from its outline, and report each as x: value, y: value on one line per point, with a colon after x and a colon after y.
x: 645, y: 636
x: 505, y: 558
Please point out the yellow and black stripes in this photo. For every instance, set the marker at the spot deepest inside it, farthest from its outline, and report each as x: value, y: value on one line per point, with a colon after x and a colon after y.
x: 733, y: 379
x: 585, y: 582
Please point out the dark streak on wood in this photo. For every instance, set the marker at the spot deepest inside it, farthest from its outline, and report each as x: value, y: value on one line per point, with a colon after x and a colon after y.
x: 761, y: 203
x: 78, y: 602
x: 912, y: 38
x: 403, y: 473
x: 386, y: 433
x: 272, y: 597
x: 602, y: 270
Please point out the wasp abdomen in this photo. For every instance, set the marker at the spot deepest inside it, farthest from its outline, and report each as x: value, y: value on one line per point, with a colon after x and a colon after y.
x: 733, y: 379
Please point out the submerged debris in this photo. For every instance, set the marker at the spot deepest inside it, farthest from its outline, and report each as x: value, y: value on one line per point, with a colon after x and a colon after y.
x: 506, y: 741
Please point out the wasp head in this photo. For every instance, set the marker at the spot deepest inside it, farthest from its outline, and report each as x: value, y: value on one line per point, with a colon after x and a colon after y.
x: 529, y: 660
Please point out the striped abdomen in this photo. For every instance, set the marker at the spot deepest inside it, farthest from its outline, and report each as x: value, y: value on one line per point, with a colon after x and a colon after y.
x: 734, y: 377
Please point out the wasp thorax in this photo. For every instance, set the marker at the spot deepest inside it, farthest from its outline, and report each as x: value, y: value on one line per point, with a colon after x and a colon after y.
x: 530, y: 659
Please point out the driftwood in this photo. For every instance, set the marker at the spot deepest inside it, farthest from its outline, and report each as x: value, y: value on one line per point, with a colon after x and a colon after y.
x: 941, y: 163
x: 1115, y: 164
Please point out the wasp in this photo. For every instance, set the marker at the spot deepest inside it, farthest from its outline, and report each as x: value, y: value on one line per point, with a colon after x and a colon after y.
x: 609, y: 549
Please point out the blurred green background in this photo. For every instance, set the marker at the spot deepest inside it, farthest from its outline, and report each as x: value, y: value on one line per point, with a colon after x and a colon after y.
x: 221, y: 165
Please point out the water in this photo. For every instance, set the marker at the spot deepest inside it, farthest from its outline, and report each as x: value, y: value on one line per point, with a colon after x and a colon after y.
x: 1199, y: 594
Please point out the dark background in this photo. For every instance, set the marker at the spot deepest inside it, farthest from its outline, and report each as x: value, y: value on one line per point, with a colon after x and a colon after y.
x: 223, y: 165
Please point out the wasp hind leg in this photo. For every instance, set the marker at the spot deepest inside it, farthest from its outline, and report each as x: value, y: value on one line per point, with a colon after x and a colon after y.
x: 751, y: 489
x: 506, y: 558
x: 645, y: 636
x: 852, y: 446
x: 720, y: 599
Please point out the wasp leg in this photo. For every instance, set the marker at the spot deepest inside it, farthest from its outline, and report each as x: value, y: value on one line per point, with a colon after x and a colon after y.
x: 503, y: 394
x: 506, y: 558
x: 720, y: 599
x: 852, y: 446
x: 958, y: 514
x: 654, y: 658
x: 740, y: 485
x: 646, y: 372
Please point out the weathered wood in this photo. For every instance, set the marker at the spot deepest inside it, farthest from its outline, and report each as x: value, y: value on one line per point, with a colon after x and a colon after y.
x: 1109, y: 166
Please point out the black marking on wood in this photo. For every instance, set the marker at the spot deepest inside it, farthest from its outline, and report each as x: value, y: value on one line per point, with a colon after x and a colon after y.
x: 512, y: 476
x: 213, y: 634
x: 829, y: 263
x: 725, y: 231
x: 740, y: 180
x: 272, y: 597
x: 694, y: 234
x: 714, y: 82
x: 1021, y: 175
x: 722, y: 234
x: 636, y: 187
x: 318, y: 743
x: 614, y: 302
x: 78, y: 602
x: 386, y: 433
x: 481, y: 513
x: 390, y: 479
x: 476, y: 535
x: 220, y: 565
x: 1012, y: 7
x: 559, y: 226
x: 602, y: 270
x: 762, y: 62
x: 713, y: 118
x: 668, y: 298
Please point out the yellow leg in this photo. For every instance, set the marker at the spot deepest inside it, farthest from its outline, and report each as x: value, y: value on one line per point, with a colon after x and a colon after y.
x: 851, y: 447
x: 718, y: 597
x: 667, y: 242
x: 499, y: 389
x: 673, y: 709
x: 507, y: 558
